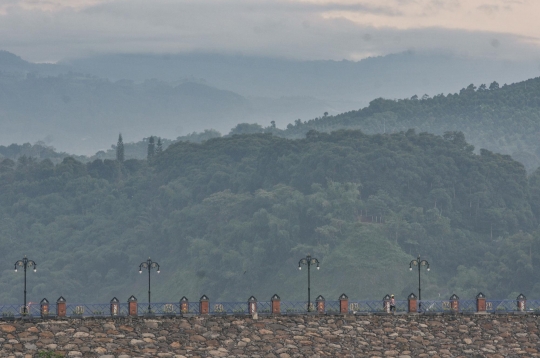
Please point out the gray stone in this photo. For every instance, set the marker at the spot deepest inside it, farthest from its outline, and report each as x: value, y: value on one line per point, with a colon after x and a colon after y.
x: 30, y: 346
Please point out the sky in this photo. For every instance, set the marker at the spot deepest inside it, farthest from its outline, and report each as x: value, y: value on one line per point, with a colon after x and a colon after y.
x: 52, y: 30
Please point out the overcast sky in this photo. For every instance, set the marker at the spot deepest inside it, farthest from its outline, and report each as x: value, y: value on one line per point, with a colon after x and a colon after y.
x: 50, y: 30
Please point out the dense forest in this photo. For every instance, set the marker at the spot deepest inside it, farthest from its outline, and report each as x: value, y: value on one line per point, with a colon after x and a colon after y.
x: 504, y: 119
x: 231, y: 217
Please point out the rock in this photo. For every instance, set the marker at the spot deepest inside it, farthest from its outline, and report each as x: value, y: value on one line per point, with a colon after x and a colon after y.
x: 151, y: 323
x: 7, y: 328
x: 30, y: 346
x: 314, y: 336
x: 197, y: 338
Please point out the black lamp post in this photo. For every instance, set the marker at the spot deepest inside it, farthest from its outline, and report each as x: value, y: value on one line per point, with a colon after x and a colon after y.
x: 149, y: 264
x: 25, y: 263
x: 308, y: 260
x: 419, y: 263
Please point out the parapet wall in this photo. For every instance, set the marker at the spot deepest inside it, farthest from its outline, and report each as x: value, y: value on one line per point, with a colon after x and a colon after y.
x: 480, y: 335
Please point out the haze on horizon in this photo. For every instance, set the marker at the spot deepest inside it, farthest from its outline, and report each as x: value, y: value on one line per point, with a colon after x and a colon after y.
x: 52, y: 30
x: 249, y: 60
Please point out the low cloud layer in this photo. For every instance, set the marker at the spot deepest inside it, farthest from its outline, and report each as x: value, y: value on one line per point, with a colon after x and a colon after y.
x: 50, y: 30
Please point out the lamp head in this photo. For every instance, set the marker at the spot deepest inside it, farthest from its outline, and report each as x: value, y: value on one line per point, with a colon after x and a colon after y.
x: 428, y: 268
x: 410, y: 268
x: 15, y: 269
x: 158, y: 271
x: 140, y: 271
x: 318, y: 267
x: 299, y: 267
x: 35, y: 269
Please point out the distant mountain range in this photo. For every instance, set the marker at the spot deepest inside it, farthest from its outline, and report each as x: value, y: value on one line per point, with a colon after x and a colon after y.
x: 344, y: 84
x: 80, y: 105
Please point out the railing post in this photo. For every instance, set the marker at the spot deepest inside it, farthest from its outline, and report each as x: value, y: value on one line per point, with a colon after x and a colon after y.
x: 521, y: 302
x: 343, y: 304
x: 454, y: 303
x: 320, y: 304
x: 44, y: 309
x: 204, y: 304
x: 115, y: 307
x: 61, y: 307
x: 480, y: 302
x: 252, y: 305
x: 276, y: 304
x: 133, y: 310
x: 413, y: 303
x: 184, y: 305
x: 386, y: 303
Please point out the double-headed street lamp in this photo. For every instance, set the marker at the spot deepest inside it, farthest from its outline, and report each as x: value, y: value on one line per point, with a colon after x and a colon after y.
x: 308, y: 260
x: 149, y: 264
x: 419, y: 263
x: 25, y: 263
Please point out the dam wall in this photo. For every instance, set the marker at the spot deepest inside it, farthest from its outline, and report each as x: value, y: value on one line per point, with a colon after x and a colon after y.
x: 284, y: 336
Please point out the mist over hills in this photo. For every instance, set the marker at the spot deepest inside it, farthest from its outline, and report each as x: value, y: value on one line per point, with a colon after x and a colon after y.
x: 209, y: 211
x: 345, y: 84
x: 80, y: 105
x: 81, y: 113
x: 503, y: 119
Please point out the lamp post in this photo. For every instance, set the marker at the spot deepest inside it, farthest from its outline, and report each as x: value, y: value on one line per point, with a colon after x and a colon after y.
x: 308, y: 261
x: 419, y: 263
x: 149, y: 264
x: 25, y: 263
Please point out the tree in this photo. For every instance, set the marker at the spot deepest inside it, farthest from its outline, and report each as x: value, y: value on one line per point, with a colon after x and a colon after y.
x: 246, y: 128
x: 120, y: 149
x: 151, y: 148
x: 494, y: 86
x: 159, y: 147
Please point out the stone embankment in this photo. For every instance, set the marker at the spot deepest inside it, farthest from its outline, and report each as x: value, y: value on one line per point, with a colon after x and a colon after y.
x: 277, y: 336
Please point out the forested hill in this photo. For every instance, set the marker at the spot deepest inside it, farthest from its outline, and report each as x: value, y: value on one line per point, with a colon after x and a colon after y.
x: 505, y: 119
x: 232, y: 216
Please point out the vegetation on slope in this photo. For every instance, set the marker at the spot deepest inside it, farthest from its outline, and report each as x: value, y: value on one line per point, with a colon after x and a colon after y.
x: 502, y: 119
x: 232, y: 216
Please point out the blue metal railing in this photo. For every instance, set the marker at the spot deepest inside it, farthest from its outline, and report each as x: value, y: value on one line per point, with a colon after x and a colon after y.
x: 367, y: 306
x: 532, y: 306
x: 290, y: 307
x: 501, y: 306
x: 434, y: 306
x: 159, y: 308
x: 332, y: 306
x: 467, y: 306
x: 375, y: 306
x: 265, y: 307
x: 88, y: 310
x: 402, y: 306
x: 218, y: 308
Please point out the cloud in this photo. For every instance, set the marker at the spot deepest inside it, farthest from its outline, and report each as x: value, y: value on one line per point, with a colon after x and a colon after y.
x: 488, y: 9
x: 55, y: 29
